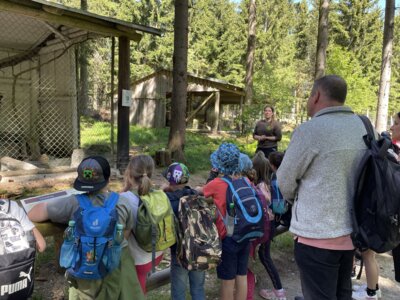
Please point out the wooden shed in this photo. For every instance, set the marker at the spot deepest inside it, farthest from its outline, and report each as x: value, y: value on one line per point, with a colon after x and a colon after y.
x: 208, y: 101
x: 38, y: 75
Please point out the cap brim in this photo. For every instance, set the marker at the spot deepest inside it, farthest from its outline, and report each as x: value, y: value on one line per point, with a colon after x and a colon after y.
x: 87, y: 187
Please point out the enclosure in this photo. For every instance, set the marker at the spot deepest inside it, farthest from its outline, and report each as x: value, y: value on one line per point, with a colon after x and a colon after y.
x: 41, y: 81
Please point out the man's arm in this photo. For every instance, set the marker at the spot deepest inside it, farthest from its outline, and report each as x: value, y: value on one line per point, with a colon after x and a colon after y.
x: 298, y: 157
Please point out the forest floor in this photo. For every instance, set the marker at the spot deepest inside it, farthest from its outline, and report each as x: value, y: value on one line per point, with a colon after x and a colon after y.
x: 50, y: 282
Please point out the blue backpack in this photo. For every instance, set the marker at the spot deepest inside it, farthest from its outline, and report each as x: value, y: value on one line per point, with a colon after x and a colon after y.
x: 244, y: 219
x: 94, y: 252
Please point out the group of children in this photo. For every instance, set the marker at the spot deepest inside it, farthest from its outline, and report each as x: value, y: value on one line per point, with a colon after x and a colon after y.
x: 129, y: 278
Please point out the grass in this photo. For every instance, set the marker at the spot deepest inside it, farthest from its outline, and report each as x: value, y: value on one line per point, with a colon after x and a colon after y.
x: 198, y: 146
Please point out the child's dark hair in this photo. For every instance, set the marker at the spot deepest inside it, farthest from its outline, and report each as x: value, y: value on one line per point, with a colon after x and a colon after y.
x: 262, y: 168
x: 275, y: 159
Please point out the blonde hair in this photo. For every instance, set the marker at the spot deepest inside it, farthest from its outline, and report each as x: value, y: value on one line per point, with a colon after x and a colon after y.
x: 138, y: 172
x: 262, y: 168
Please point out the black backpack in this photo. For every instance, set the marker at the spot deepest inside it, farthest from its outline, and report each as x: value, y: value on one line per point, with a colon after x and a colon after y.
x: 376, y: 206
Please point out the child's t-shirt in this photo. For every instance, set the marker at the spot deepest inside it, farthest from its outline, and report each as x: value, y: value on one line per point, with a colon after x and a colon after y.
x: 8, y: 232
x: 217, y: 190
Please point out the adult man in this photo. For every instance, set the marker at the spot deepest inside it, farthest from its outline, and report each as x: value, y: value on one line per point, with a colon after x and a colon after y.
x: 318, y: 172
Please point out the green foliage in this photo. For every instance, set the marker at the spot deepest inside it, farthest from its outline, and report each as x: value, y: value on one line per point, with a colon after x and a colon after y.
x: 285, y: 48
x: 360, y: 96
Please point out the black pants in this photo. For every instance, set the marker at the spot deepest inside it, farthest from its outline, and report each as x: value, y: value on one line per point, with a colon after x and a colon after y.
x: 396, y: 262
x: 267, y: 151
x: 325, y: 274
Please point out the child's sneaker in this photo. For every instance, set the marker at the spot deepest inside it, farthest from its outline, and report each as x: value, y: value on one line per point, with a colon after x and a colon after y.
x: 362, y: 295
x: 363, y: 287
x: 273, y: 294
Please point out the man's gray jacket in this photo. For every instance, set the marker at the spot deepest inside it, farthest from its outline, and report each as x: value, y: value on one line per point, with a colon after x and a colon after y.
x: 318, y: 172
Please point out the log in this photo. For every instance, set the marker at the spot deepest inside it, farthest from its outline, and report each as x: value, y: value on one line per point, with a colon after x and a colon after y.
x: 158, y: 279
x: 37, y: 171
x: 8, y: 163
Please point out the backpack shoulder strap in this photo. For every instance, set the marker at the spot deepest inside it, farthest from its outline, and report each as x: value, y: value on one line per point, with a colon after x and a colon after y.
x: 111, y: 201
x: 370, y: 130
x: 84, y: 201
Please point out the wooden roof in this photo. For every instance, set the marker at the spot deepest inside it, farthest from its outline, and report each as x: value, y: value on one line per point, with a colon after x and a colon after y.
x: 61, y: 15
x: 192, y: 78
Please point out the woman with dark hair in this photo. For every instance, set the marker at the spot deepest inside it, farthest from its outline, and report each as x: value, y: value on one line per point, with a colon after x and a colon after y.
x: 395, y: 129
x: 267, y: 132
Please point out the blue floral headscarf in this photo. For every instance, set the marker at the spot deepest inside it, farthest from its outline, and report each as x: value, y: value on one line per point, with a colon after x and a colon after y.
x: 226, y: 159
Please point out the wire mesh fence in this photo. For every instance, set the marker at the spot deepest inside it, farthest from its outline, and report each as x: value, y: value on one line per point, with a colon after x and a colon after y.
x: 41, y: 90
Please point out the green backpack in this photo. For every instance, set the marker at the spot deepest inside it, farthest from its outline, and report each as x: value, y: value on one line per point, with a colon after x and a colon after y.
x: 155, y: 223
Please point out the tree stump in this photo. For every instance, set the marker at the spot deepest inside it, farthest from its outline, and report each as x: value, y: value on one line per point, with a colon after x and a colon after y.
x: 163, y: 158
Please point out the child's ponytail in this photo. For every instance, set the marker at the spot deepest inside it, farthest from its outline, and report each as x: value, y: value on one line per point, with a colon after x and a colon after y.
x: 138, y: 173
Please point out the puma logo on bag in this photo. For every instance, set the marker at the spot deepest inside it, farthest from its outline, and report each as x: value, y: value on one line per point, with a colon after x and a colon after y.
x: 17, y: 286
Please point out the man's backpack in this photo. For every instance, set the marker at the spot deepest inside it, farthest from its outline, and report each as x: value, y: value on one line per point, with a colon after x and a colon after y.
x: 376, y: 207
x: 155, y: 223
x: 95, y: 251
x: 244, y: 219
x: 200, y: 246
x: 17, y: 257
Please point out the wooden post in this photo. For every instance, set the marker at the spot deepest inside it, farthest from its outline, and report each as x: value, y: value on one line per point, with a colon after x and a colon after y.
x: 112, y: 95
x: 123, y: 111
x: 216, y: 111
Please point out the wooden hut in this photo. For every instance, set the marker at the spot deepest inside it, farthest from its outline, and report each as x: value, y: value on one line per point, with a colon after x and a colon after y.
x: 208, y: 101
x: 38, y: 75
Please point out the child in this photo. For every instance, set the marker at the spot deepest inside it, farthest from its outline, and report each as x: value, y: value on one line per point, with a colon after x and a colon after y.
x: 262, y: 165
x: 233, y: 267
x: 11, y: 209
x: 138, y: 177
x: 177, y: 175
x: 93, y: 178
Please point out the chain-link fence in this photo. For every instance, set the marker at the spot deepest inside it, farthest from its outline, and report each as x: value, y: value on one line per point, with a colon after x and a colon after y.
x: 41, y: 89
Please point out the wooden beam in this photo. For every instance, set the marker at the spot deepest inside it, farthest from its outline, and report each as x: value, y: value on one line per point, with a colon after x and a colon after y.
x: 216, y: 111
x: 200, y: 107
x: 123, y: 111
x: 60, y: 16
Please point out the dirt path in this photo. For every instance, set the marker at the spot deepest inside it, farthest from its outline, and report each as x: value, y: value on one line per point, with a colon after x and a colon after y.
x: 51, y: 285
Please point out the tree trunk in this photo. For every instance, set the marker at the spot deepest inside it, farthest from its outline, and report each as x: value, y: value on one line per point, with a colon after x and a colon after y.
x: 384, y: 83
x: 176, y: 139
x: 83, y: 73
x: 251, y: 49
x: 322, y: 42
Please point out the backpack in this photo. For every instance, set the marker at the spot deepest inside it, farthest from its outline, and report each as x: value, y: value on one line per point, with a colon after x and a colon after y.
x: 94, y: 251
x: 267, y: 222
x: 17, y: 257
x: 155, y: 223
x: 244, y: 219
x: 278, y: 203
x: 200, y: 246
x: 376, y: 207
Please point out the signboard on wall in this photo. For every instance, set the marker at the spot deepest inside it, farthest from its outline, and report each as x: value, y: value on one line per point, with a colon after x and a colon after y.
x: 126, y: 98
